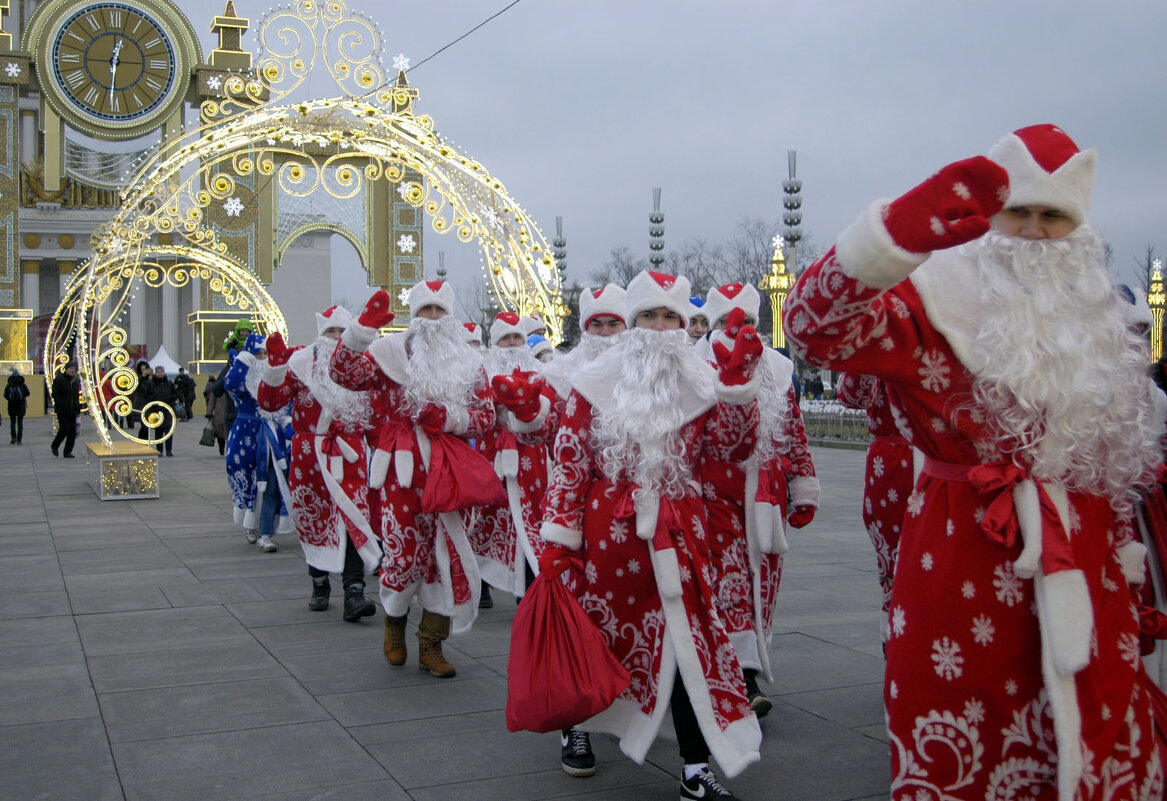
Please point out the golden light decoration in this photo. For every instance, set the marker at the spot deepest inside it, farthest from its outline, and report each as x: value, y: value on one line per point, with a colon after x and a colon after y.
x: 1157, y: 300
x: 129, y: 477
x: 777, y: 284
x: 366, y: 133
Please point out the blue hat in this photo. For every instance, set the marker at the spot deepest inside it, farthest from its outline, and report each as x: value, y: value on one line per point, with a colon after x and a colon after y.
x: 538, y: 344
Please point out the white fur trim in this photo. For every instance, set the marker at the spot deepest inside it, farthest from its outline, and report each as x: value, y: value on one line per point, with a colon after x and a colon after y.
x: 645, y: 293
x: 738, y: 393
x: 1069, y: 618
x: 805, y: 491
x: 609, y: 301
x: 764, y: 517
x: 396, y: 602
x: 569, y: 538
x: 358, y: 337
x: 867, y: 253
x: 379, y: 468
x: 779, y: 545
x: 1062, y: 692
x: 1028, y: 508
x: 596, y: 381
x: 464, y: 614
x: 506, y: 463
x: 389, y: 354
x: 457, y: 420
x: 519, y: 427
x: 274, y: 376
x: 668, y: 573
x: 403, y: 467
x: 718, y: 305
x: 647, y: 505
x: 1133, y: 558
x: 246, y: 358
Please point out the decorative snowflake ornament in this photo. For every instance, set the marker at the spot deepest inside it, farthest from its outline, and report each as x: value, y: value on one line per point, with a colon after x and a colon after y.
x: 233, y: 206
x: 777, y: 241
x: 215, y: 82
x: 400, y: 62
x: 13, y: 69
x: 403, y: 296
x: 406, y: 243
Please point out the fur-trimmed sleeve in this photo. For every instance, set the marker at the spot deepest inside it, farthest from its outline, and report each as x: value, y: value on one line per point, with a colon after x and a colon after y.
x: 354, y: 369
x: 572, y: 475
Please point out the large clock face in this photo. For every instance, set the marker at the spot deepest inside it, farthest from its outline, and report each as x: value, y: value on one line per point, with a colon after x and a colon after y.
x: 113, y: 68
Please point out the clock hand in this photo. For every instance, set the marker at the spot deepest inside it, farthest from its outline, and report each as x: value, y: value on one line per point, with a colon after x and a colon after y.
x: 113, y: 68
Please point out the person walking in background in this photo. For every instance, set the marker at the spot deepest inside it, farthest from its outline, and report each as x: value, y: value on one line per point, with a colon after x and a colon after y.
x: 184, y: 389
x: 67, y: 407
x: 143, y: 395
x: 216, y: 413
x: 16, y: 393
x: 162, y: 392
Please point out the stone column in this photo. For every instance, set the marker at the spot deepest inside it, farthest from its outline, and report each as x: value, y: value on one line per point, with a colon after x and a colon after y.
x: 170, y: 321
x: 30, y: 285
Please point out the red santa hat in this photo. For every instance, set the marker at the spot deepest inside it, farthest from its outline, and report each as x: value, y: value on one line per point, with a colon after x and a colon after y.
x: 652, y: 290
x: 333, y: 317
x: 609, y: 301
x: 1046, y: 168
x: 506, y: 323
x: 473, y: 333
x: 724, y: 299
x: 431, y: 293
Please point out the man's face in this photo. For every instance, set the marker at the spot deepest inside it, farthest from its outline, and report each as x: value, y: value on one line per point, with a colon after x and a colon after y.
x: 333, y: 332
x: 662, y: 318
x: 70, y: 371
x: 160, y: 372
x: 511, y: 340
x: 431, y: 311
x: 1034, y: 222
x: 605, y: 325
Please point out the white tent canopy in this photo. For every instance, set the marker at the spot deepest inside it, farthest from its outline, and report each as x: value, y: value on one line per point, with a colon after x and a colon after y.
x: 162, y: 359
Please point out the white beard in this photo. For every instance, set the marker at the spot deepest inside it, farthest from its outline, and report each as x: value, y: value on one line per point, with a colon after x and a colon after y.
x: 589, y: 348
x: 253, y: 377
x: 442, y: 369
x: 503, y: 361
x: 348, y: 407
x: 638, y: 437
x: 773, y: 417
x: 1060, y: 380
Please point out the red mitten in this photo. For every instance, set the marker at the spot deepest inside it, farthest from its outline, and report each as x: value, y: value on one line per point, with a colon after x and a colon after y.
x: 278, y: 352
x: 432, y: 419
x: 800, y: 516
x: 950, y: 208
x: 553, y: 555
x: 736, y: 367
x: 518, y: 393
x: 376, y: 313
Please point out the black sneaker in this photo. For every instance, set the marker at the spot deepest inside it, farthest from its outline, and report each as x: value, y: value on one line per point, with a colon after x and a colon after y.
x: 319, y: 600
x: 705, y: 786
x: 484, y: 600
x: 356, y: 605
x: 759, y: 702
x: 575, y: 753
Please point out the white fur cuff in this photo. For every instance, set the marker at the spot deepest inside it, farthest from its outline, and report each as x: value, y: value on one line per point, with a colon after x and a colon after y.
x: 519, y: 427
x: 457, y: 420
x: 561, y: 535
x: 358, y: 337
x: 805, y: 491
x: 867, y: 253
x: 246, y: 358
x: 1069, y: 619
x: 1133, y: 558
x: 274, y: 376
x: 738, y: 393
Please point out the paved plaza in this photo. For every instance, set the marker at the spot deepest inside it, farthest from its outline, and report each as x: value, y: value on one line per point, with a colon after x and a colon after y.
x: 149, y: 652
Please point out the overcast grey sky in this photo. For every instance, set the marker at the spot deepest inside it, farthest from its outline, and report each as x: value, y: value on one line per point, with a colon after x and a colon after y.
x: 580, y: 107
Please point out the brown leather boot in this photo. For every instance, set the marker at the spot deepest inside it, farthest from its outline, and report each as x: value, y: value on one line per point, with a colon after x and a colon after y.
x: 395, y: 640
x: 430, y: 632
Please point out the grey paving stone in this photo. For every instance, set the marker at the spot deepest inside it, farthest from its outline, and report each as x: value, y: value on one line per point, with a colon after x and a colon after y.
x: 159, y: 630
x: 211, y: 593
x: 31, y: 573
x: 247, y: 764
x: 34, y: 604
x: 853, y: 707
x: 90, y: 582
x: 31, y: 539
x: 44, y: 693
x: 182, y: 667
x: 123, y: 599
x: 110, y: 559
x: 203, y: 708
x: 63, y: 761
x: 433, y: 698
x: 618, y: 778
x: 801, y: 664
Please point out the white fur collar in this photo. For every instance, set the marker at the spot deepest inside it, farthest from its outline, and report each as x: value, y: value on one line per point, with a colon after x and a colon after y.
x: 950, y: 290
x: 597, y: 380
x: 389, y: 354
x: 300, y: 363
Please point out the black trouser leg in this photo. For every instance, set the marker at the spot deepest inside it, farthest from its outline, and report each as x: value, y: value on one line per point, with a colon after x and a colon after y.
x: 690, y: 740
x: 354, y: 566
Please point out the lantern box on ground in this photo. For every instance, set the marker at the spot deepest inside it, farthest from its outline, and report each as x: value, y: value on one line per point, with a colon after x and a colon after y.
x: 14, y: 341
x: 122, y: 471
x: 210, y: 328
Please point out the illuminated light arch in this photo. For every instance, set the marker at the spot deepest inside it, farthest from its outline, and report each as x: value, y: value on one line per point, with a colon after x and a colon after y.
x: 333, y: 145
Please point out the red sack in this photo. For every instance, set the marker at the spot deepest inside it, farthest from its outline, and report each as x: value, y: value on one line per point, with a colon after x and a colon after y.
x: 560, y: 671
x: 459, y: 477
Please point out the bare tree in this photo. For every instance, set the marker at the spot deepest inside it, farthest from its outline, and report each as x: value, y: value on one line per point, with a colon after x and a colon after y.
x: 619, y: 268
x: 477, y: 302
x: 1145, y: 266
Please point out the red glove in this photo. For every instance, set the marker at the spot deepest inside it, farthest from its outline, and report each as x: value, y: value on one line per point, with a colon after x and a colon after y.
x: 432, y: 419
x: 800, y: 516
x: 736, y: 367
x: 519, y: 394
x: 376, y: 313
x: 277, y: 350
x: 950, y: 208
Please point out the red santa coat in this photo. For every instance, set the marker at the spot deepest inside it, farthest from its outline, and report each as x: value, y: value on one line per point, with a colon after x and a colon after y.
x: 427, y: 555
x: 996, y: 685
x: 889, y: 477
x: 646, y: 579
x: 327, y: 471
x: 747, y: 506
x: 505, y: 538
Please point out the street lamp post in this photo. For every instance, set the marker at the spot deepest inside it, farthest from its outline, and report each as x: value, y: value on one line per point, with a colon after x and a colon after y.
x: 776, y: 284
x: 656, y: 231
x: 1157, y: 300
x: 792, y: 216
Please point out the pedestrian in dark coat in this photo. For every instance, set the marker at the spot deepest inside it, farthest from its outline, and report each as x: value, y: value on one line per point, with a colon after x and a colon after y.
x: 67, y: 406
x: 16, y: 393
x: 164, y: 394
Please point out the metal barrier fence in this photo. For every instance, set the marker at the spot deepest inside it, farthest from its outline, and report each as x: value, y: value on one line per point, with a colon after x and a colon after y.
x: 832, y: 420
